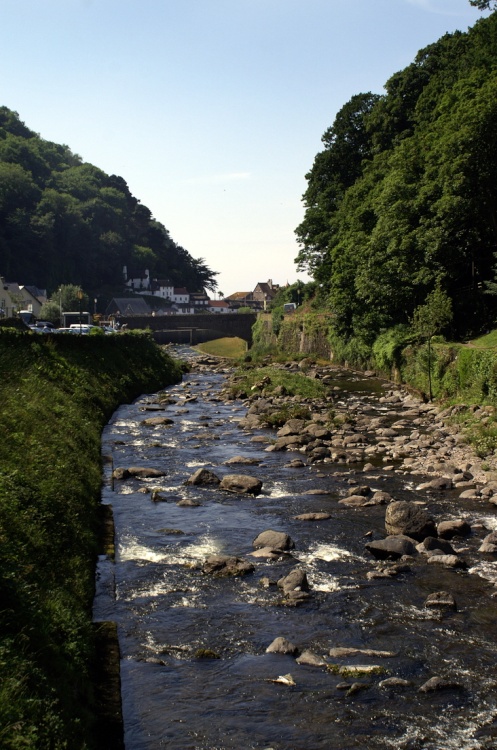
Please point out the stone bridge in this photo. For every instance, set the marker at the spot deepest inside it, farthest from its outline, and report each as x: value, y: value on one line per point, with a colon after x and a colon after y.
x: 193, y: 329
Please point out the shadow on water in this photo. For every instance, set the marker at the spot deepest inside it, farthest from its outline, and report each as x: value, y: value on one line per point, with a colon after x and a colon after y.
x: 170, y: 614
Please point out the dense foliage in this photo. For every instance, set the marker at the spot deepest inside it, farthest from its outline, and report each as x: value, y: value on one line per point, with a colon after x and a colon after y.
x: 65, y: 221
x: 57, y: 393
x: 403, y: 198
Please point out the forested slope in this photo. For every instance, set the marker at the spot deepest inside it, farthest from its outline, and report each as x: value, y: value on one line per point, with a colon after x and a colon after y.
x: 402, y: 200
x: 64, y: 221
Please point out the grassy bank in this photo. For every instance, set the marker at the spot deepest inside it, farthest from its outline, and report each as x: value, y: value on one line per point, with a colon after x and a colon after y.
x: 57, y: 392
x: 231, y: 347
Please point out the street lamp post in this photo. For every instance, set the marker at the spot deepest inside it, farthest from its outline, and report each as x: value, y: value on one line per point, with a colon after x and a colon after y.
x: 80, y: 298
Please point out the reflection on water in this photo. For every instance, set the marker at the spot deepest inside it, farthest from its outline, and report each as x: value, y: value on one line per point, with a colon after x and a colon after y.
x: 170, y: 614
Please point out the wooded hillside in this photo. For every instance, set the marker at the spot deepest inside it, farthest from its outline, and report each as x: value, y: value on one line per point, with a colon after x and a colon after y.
x: 65, y: 221
x: 402, y: 200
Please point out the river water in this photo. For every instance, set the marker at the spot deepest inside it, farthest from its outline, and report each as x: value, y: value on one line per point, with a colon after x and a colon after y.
x: 167, y: 609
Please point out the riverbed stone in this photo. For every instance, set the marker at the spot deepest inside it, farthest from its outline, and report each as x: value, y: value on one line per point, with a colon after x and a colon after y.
x: 276, y: 539
x: 312, y: 517
x: 270, y: 553
x: 203, y: 477
x: 439, y: 683
x: 438, y: 483
x: 448, y: 561
x: 410, y: 520
x: 296, y: 580
x: 158, y: 421
x: 441, y: 600
x: 392, y: 548
x: 310, y: 659
x: 489, y: 544
x: 430, y: 544
x: 394, y: 682
x: 295, y: 463
x: 355, y: 501
x: 241, y: 484
x: 282, y: 645
x: 290, y: 441
x: 343, y: 651
x: 227, y: 565
x: 453, y: 528
x: 291, y: 427
x: 242, y: 460
x: 138, y: 472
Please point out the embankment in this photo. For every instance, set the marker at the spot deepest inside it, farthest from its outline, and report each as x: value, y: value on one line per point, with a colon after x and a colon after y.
x: 449, y: 371
x: 57, y: 392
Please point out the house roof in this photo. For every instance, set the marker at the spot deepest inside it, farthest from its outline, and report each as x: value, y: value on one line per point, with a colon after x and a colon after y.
x: 240, y: 295
x: 129, y: 306
x: 34, y: 291
x: 180, y: 290
x: 217, y: 303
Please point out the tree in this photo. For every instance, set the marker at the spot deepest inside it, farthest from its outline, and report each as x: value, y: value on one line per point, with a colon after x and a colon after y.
x: 430, y: 319
x: 65, y: 299
x: 484, y: 4
x: 347, y: 144
x: 63, y: 220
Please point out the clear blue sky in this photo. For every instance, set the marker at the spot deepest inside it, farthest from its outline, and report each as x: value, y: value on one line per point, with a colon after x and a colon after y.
x: 211, y: 110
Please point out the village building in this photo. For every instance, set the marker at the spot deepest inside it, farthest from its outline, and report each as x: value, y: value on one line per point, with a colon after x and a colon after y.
x: 259, y: 299
x: 219, y: 306
x: 127, y: 306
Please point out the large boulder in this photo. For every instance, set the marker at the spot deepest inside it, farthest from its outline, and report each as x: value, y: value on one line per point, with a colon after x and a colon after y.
x: 392, y: 548
x: 409, y: 520
x: 274, y: 539
x: 241, y: 484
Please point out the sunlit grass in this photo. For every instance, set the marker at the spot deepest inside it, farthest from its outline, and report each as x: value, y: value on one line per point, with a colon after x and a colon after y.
x: 489, y: 341
x: 232, y: 347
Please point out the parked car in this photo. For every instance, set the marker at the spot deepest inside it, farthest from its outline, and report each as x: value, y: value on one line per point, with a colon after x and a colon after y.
x: 43, y: 326
x: 83, y: 328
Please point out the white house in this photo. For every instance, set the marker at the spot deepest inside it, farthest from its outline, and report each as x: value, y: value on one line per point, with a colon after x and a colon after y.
x: 139, y: 284
x: 218, y: 306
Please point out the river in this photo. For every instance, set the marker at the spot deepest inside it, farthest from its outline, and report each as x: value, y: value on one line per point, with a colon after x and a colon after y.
x: 170, y: 614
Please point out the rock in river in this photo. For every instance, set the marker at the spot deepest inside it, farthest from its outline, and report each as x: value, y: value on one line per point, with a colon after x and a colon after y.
x: 276, y: 539
x: 405, y: 518
x: 139, y: 472
x: 227, y: 565
x: 241, y: 483
x: 281, y: 646
x: 296, y: 580
x: 392, y: 548
x: 203, y: 476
